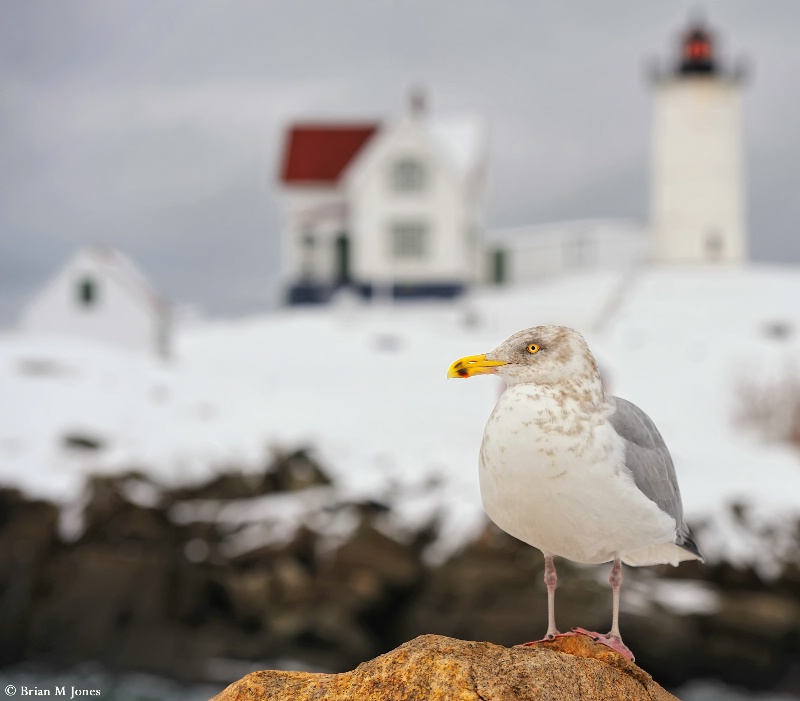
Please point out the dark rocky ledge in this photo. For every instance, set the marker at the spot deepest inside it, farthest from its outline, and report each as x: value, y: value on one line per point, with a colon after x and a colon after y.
x: 132, y: 594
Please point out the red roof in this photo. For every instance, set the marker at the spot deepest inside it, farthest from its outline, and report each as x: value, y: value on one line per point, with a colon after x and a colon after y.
x: 319, y: 153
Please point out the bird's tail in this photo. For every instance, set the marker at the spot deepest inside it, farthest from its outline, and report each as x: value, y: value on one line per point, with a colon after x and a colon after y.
x: 685, y: 541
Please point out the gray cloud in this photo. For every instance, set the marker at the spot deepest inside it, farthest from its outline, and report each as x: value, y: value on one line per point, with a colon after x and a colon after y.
x: 156, y: 126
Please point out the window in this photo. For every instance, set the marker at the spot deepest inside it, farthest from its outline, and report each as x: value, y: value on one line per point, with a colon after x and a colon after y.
x: 408, y: 175
x: 87, y: 292
x: 714, y: 245
x: 409, y: 240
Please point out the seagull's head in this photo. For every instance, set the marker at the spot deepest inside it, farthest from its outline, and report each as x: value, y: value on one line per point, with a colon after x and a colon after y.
x: 539, y: 355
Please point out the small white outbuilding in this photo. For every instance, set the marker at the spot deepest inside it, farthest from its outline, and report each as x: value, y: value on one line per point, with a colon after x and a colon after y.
x: 528, y: 254
x: 101, y: 294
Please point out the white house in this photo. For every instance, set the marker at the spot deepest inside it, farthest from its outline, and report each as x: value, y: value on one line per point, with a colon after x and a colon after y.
x: 697, y: 183
x: 392, y: 207
x: 101, y: 294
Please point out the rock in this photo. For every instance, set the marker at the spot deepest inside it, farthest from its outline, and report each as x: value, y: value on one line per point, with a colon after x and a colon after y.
x: 142, y: 590
x: 295, y: 471
x: 111, y: 515
x: 27, y: 539
x: 96, y: 594
x: 285, y: 472
x: 82, y: 441
x: 438, y: 668
x: 229, y: 485
x: 480, y: 592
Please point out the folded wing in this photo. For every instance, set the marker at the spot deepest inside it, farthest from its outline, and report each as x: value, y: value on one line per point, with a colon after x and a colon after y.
x: 650, y: 463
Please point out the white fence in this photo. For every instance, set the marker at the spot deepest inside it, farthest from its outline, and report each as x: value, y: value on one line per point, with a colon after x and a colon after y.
x: 536, y: 252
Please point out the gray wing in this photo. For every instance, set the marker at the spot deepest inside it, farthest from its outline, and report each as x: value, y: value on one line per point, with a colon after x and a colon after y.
x: 648, y: 459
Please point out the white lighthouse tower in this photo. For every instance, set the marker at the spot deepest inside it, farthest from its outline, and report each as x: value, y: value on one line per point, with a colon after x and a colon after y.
x: 697, y: 197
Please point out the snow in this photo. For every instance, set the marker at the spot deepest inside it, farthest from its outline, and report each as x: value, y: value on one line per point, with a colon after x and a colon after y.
x: 679, y: 596
x: 462, y: 139
x: 364, y: 387
x: 685, y: 597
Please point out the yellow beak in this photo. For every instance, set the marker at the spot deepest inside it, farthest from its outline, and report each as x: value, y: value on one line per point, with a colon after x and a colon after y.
x: 474, y: 365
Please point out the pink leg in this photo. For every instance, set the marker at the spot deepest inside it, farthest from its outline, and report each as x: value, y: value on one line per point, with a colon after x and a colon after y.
x: 613, y: 639
x: 551, y: 580
x: 615, y: 580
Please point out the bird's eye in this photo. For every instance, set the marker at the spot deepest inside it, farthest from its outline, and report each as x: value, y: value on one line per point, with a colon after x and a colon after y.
x: 533, y: 348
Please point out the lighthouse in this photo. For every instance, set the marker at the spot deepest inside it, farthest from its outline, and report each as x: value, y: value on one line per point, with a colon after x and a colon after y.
x: 697, y: 197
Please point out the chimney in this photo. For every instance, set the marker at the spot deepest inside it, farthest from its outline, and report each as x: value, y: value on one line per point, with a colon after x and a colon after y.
x: 417, y: 102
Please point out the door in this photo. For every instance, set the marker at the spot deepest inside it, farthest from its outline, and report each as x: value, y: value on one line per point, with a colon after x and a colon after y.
x: 498, y: 266
x: 342, y: 259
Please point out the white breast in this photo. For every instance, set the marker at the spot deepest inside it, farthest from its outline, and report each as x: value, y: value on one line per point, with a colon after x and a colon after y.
x: 554, y: 476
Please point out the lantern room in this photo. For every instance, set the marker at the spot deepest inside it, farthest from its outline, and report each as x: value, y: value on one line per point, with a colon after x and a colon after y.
x: 697, y: 52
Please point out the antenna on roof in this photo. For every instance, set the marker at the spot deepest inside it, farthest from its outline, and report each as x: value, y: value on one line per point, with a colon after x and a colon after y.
x: 697, y: 16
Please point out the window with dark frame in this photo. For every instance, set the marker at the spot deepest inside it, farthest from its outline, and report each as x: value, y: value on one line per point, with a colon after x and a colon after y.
x: 409, y: 240
x: 408, y: 175
x: 87, y: 292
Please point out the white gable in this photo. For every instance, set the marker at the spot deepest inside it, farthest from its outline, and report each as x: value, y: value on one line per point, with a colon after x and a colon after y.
x: 100, y: 294
x: 456, y: 142
x: 462, y: 140
x: 442, y: 214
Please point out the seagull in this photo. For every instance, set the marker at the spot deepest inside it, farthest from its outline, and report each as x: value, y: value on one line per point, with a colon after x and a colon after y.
x: 573, y: 471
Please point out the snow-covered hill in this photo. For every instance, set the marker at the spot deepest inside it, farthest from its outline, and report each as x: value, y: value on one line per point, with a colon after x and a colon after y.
x: 365, y: 387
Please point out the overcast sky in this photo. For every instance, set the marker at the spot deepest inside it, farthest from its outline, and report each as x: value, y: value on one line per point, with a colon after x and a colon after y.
x: 156, y: 126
